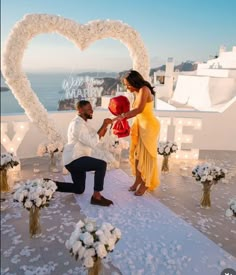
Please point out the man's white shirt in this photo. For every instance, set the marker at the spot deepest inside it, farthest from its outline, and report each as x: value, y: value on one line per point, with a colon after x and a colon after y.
x: 82, y: 138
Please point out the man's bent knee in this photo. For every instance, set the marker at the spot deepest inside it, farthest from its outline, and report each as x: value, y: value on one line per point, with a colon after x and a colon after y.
x: 103, y: 165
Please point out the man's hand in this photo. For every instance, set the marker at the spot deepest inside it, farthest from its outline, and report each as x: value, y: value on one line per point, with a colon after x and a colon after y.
x: 102, y: 131
x: 106, y: 122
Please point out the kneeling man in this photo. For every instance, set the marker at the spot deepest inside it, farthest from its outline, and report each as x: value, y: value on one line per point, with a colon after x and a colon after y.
x: 82, y: 138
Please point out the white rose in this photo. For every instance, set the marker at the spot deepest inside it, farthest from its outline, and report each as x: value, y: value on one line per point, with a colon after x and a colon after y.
x: 167, y: 150
x: 15, y: 196
x: 229, y: 213
x: 101, y: 251
x: 87, y: 238
x: 68, y: 244
x: 99, y: 232
x: 90, y: 252
x: 107, y: 226
x: 39, y: 190
x: 20, y: 197
x: 233, y: 207
x: 25, y: 193
x: 107, y: 234
x: 103, y: 239
x: 89, y: 227
x: 75, y: 234
x: 112, y: 240
x: 44, y: 200
x: 117, y: 233
x: 48, y: 193
x: 33, y: 196
x: 232, y: 201
x: 28, y: 204
x: 79, y: 224
x: 81, y: 252
x: 76, y: 246
x: 209, y: 177
x: 38, y: 202
x: 88, y: 262
x: 111, y: 246
x: 174, y: 148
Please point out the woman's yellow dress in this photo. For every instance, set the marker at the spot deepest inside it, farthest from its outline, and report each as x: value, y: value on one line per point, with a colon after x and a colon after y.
x: 144, y: 134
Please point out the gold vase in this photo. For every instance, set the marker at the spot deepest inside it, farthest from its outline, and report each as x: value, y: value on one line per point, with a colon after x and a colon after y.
x: 97, y: 268
x: 4, y: 183
x: 34, y: 221
x: 206, y: 195
x: 165, y: 164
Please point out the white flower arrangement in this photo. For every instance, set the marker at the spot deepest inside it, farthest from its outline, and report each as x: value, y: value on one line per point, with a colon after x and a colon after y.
x: 36, y: 192
x: 231, y: 211
x: 207, y: 172
x: 167, y: 148
x: 50, y: 148
x: 118, y: 144
x: 109, y: 146
x: 88, y: 242
x: 8, y: 160
x: 81, y: 35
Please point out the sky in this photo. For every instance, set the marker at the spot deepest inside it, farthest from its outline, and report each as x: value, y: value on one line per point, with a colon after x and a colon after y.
x: 183, y: 29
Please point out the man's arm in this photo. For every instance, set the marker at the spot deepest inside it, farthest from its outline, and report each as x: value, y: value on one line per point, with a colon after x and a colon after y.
x: 91, y: 138
x: 102, y: 131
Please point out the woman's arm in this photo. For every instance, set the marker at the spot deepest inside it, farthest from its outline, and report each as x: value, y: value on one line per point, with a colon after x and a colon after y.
x: 140, y: 103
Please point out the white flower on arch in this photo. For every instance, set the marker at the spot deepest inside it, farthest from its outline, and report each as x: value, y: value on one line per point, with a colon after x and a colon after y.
x: 81, y: 35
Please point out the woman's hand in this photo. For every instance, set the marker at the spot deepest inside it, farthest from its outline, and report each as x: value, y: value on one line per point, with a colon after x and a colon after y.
x: 120, y: 117
x: 116, y: 118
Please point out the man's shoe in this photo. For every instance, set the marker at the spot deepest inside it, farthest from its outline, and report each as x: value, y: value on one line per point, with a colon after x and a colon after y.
x: 102, y: 202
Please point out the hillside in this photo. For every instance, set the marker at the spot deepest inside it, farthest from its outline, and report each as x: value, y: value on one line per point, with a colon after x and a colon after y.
x: 183, y: 67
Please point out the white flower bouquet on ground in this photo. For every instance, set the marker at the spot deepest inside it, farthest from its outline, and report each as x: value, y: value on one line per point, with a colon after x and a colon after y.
x: 207, y: 174
x: 34, y: 195
x: 51, y: 149
x: 91, y: 243
x: 110, y: 148
x: 231, y: 211
x: 8, y: 160
x: 166, y: 149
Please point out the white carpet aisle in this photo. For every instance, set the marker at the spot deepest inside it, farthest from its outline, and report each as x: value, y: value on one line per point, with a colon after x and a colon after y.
x: 154, y: 240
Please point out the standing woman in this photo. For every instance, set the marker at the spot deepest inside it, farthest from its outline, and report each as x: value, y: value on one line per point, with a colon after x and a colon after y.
x: 144, y: 134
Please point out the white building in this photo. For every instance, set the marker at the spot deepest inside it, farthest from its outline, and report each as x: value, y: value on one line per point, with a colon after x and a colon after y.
x: 212, y: 87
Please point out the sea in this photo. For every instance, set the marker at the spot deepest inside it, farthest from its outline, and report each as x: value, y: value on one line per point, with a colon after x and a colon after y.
x: 47, y: 86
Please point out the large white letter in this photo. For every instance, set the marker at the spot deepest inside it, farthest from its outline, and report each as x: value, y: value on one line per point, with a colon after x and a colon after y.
x: 165, y: 121
x: 181, y: 138
x: 20, y: 129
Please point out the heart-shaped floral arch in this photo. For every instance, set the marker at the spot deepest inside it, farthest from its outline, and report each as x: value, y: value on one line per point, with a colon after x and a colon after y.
x: 82, y: 36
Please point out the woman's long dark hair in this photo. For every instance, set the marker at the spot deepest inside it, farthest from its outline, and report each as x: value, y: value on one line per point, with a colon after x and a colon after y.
x: 136, y: 80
